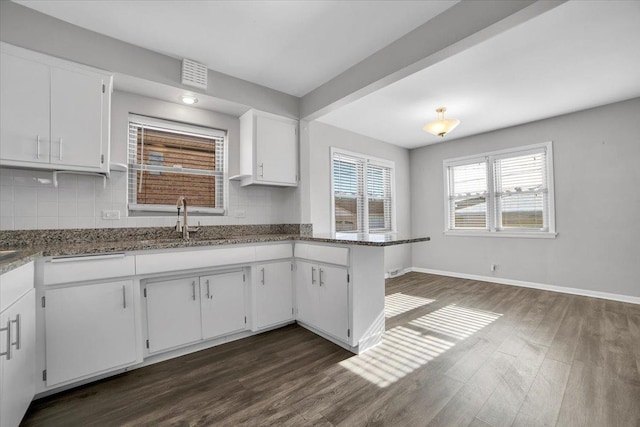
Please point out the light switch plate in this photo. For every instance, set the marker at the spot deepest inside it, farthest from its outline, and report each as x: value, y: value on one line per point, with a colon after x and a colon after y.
x: 111, y: 215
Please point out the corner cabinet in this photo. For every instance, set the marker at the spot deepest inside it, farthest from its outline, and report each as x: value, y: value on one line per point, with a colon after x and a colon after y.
x: 268, y: 150
x: 55, y: 114
x: 273, y: 295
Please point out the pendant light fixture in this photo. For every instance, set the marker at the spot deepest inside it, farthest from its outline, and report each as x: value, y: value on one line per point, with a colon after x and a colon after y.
x: 442, y: 126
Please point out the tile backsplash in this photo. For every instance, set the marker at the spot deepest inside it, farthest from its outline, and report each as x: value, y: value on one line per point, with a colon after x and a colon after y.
x: 28, y: 200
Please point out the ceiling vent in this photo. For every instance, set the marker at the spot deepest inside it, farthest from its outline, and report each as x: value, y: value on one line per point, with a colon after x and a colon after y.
x: 194, y: 74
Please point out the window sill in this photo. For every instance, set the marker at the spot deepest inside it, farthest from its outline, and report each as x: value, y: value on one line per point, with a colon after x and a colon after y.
x: 526, y: 235
x: 138, y: 210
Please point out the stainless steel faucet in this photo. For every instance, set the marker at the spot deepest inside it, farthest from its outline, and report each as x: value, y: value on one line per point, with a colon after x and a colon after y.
x: 184, y: 227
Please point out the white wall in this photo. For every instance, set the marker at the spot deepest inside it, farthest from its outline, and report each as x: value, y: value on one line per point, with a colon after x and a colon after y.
x: 597, y: 198
x: 33, y: 30
x: 316, y: 141
x: 28, y: 199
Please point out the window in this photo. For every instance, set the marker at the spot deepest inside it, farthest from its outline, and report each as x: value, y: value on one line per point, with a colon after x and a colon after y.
x: 362, y: 193
x: 168, y: 160
x: 507, y: 192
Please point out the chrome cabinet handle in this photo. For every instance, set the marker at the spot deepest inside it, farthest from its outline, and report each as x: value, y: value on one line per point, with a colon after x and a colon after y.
x: 261, y: 166
x: 124, y: 297
x: 37, y: 146
x: 193, y: 287
x: 313, y: 275
x: 209, y: 296
x: 18, y: 327
x: 60, y: 149
x: 263, y: 276
x: 8, y: 329
x: 321, y: 281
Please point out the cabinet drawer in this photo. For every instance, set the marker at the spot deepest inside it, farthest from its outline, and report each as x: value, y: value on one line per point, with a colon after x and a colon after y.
x: 322, y: 253
x: 91, y: 267
x: 14, y: 284
x: 188, y: 260
x: 267, y: 252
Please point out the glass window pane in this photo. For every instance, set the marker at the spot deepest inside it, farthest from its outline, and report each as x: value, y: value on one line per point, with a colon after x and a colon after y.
x: 522, y: 210
x: 346, y: 214
x: 376, y: 215
x: 470, y: 213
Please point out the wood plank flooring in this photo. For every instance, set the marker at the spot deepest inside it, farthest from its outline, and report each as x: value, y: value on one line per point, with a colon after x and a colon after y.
x: 456, y: 353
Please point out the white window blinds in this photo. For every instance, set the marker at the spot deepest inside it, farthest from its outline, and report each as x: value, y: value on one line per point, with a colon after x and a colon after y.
x: 521, y: 191
x: 363, y: 195
x: 168, y: 160
x: 468, y: 196
x: 507, y: 191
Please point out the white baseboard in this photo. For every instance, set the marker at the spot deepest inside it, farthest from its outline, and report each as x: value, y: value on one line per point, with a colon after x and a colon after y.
x: 524, y: 284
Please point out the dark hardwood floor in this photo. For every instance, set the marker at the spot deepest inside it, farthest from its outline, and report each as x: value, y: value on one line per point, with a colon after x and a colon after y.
x: 456, y: 353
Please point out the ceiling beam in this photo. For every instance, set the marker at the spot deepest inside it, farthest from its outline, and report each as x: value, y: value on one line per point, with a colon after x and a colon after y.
x: 460, y: 27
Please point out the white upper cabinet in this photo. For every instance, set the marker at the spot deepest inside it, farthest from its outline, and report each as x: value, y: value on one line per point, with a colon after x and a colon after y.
x: 55, y: 114
x: 76, y: 118
x: 268, y: 149
x: 24, y: 98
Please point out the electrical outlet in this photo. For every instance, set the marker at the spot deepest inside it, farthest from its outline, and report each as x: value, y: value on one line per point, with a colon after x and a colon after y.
x: 240, y: 214
x: 112, y: 215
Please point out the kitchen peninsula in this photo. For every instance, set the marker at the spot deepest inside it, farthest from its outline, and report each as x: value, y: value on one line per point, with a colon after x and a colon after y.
x: 111, y: 300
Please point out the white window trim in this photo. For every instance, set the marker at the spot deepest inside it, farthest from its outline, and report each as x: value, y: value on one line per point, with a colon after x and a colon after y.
x: 489, y: 157
x: 368, y: 160
x: 137, y: 209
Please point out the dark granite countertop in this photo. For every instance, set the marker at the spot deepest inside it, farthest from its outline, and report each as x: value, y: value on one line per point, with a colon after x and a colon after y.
x: 33, y: 243
x: 10, y: 259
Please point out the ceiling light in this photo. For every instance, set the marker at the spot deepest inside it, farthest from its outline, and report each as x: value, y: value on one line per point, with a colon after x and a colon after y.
x: 442, y: 126
x: 188, y: 99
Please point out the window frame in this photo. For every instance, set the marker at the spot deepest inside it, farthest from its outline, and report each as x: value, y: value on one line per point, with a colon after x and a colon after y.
x: 375, y: 161
x: 135, y: 209
x: 488, y: 158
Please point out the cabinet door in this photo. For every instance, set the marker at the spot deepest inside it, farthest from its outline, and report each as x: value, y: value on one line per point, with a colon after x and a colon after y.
x: 76, y: 118
x: 17, y: 385
x: 333, y: 301
x: 307, y: 292
x: 276, y: 148
x: 89, y: 329
x: 173, y: 313
x: 273, y: 294
x: 222, y: 302
x: 24, y: 103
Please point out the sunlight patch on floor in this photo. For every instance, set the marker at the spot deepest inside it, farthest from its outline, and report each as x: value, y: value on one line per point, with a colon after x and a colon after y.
x: 399, y: 303
x: 404, y: 349
x: 456, y: 322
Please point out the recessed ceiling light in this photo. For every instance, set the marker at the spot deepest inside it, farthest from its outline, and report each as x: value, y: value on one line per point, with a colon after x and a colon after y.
x: 188, y: 99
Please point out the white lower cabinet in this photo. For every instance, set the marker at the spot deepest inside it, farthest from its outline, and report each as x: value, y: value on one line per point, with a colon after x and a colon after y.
x: 17, y: 362
x: 273, y: 294
x: 186, y: 311
x: 222, y: 304
x: 322, y: 296
x: 89, y: 329
x: 173, y: 313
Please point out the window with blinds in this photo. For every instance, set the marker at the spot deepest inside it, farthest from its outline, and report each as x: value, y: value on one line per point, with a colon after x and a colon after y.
x: 509, y: 191
x: 168, y: 160
x: 362, y: 193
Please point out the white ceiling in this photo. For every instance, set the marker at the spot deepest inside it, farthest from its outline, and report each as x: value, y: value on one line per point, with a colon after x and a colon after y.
x: 578, y: 55
x: 290, y: 46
